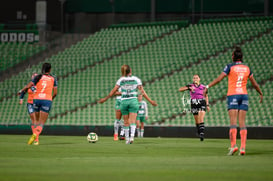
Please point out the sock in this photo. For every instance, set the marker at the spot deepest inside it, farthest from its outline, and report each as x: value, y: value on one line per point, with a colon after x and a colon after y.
x: 243, y: 134
x: 141, y: 133
x: 133, y: 130
x: 39, y: 129
x: 138, y: 132
x: 121, y: 124
x: 116, y: 126
x: 232, y: 135
x: 32, y: 127
x: 126, y: 131
x: 201, y: 128
x: 197, y: 128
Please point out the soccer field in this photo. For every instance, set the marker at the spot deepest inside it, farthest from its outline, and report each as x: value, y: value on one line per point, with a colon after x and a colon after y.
x: 73, y: 158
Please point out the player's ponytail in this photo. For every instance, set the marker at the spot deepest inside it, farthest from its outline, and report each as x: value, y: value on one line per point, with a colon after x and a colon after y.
x: 45, y: 69
x: 125, y: 70
x: 237, y: 54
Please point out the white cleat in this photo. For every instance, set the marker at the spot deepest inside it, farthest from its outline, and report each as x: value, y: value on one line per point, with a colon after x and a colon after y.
x: 232, y: 151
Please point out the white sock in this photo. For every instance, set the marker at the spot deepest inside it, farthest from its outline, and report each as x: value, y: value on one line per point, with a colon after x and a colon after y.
x: 141, y: 133
x: 126, y: 131
x: 116, y: 126
x: 138, y: 132
x: 121, y: 124
x: 133, y: 130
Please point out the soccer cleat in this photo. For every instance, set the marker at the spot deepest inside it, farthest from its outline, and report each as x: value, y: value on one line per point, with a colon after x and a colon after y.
x: 242, y: 152
x: 131, y: 140
x: 201, y: 136
x: 31, y: 139
x: 36, y: 143
x: 121, y: 137
x: 115, y: 137
x: 127, y: 142
x: 232, y: 151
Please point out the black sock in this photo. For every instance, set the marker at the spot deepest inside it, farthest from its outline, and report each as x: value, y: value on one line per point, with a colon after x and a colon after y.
x: 201, y: 128
x: 197, y: 128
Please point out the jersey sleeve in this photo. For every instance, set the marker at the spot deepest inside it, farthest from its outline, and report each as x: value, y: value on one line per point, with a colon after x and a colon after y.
x: 188, y: 85
x: 118, y: 82
x: 138, y: 81
x: 226, y: 69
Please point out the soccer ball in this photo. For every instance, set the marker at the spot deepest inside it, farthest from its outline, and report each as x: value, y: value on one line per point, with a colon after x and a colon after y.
x: 92, y: 137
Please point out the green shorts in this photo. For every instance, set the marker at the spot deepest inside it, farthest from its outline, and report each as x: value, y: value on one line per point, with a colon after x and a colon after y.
x: 141, y: 119
x: 117, y: 105
x: 129, y: 106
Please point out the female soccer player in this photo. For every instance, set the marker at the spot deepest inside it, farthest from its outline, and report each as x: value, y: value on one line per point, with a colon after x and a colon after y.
x: 42, y: 101
x: 30, y: 108
x: 129, y: 103
x: 199, y: 103
x: 142, y: 116
x: 237, y: 97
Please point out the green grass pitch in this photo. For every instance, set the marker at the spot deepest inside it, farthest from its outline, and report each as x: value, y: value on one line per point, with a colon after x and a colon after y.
x: 65, y: 158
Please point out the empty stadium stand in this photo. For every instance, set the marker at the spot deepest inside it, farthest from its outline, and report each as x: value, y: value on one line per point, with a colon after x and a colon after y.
x: 165, y: 56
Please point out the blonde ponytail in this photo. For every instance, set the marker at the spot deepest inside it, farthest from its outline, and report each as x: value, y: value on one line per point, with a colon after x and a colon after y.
x: 125, y: 70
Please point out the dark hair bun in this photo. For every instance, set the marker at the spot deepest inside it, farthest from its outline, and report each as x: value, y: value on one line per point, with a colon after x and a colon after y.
x: 238, y: 55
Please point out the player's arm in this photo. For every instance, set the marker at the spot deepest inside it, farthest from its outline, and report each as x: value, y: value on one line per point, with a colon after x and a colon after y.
x: 22, y: 97
x: 215, y: 81
x: 55, y: 91
x: 257, y: 87
x: 181, y: 89
x: 218, y: 79
x: 113, y: 91
x: 55, y: 88
x: 140, y: 87
x: 117, y: 93
x: 29, y: 85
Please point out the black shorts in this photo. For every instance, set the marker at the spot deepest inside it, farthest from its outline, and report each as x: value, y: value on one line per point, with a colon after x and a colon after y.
x: 198, y: 105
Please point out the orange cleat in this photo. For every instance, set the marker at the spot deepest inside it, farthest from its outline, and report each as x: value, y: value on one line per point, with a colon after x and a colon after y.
x: 115, y: 137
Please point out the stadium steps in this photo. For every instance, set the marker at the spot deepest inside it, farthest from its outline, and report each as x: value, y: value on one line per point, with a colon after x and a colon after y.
x: 181, y: 24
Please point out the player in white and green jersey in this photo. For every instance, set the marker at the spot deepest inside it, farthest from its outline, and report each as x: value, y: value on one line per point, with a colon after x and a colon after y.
x: 129, y: 104
x: 142, y: 116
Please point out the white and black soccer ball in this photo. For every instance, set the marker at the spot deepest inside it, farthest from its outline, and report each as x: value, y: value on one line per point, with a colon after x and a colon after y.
x: 92, y: 137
